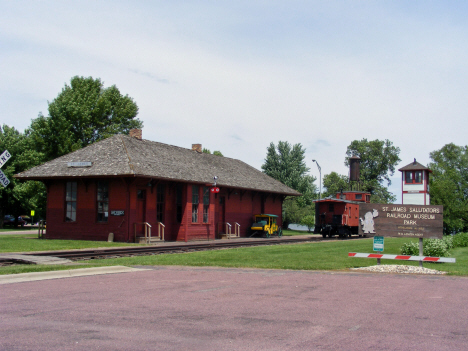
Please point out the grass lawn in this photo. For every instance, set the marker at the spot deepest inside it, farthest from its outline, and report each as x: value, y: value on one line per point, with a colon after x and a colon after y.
x: 30, y: 242
x: 290, y: 232
x: 311, y: 256
x: 13, y: 229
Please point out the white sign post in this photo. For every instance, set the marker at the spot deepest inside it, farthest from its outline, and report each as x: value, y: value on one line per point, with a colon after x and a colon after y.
x: 3, y: 159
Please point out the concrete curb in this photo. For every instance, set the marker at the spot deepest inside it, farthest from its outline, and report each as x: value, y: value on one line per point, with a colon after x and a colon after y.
x: 20, y: 258
x: 70, y: 273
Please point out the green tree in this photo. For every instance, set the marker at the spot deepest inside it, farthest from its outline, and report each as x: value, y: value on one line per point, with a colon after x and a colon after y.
x: 449, y: 185
x: 378, y: 161
x: 84, y: 112
x: 308, y: 221
x: 216, y: 153
x: 286, y: 164
x: 293, y: 212
x: 334, y: 183
x: 18, y: 198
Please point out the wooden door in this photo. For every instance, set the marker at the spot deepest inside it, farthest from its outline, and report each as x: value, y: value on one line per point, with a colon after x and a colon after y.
x: 220, y: 225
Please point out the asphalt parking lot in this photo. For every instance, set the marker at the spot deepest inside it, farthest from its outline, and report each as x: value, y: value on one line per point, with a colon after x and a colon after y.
x: 183, y: 308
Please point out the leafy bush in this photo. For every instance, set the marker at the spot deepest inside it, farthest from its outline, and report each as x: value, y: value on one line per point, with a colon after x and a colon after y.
x: 431, y: 247
x: 460, y: 240
x: 308, y: 221
x: 448, y: 240
x: 410, y: 249
x: 435, y: 248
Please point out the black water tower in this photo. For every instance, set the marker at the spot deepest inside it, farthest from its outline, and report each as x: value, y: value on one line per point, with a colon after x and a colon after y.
x: 354, y: 168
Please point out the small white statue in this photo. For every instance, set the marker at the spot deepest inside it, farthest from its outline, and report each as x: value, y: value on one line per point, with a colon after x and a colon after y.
x: 368, y: 222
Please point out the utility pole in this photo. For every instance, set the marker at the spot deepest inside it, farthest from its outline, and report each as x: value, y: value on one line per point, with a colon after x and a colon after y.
x: 320, y: 176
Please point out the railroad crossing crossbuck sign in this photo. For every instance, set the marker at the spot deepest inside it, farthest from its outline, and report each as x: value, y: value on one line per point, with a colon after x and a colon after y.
x: 3, y: 159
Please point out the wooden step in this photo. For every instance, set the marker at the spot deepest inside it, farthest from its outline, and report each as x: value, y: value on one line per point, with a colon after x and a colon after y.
x: 228, y: 236
x: 141, y: 240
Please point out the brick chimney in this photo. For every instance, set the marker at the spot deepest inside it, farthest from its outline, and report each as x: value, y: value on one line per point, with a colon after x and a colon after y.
x: 135, y: 133
x: 197, y: 148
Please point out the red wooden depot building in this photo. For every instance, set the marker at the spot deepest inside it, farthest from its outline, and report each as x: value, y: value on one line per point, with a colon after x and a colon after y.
x: 115, y: 185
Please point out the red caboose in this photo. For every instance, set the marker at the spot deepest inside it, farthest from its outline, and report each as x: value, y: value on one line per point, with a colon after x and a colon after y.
x: 339, y: 215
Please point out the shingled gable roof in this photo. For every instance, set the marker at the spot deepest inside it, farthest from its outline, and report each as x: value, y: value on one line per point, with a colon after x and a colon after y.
x: 414, y: 166
x: 124, y: 156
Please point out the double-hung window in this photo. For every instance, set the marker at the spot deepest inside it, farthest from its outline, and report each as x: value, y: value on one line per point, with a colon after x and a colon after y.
x: 102, y: 200
x: 418, y: 177
x: 206, y: 204
x: 70, y: 201
x: 195, y: 202
x: 413, y: 177
x: 408, y: 177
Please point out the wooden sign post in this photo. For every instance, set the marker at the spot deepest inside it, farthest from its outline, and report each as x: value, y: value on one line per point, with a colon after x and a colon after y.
x: 402, y: 221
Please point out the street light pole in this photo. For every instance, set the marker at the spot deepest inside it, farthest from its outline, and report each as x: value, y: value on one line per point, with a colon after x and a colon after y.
x: 320, y: 175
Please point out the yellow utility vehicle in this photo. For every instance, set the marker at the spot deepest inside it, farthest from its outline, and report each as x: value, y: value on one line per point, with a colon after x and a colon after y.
x: 265, y: 224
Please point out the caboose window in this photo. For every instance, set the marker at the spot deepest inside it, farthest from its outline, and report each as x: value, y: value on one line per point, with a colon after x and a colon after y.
x: 331, y: 207
x: 358, y: 196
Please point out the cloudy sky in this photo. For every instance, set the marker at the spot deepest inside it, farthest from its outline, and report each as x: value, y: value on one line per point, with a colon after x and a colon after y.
x: 237, y: 75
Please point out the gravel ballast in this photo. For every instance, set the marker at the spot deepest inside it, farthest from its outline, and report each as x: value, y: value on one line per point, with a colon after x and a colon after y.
x: 383, y: 268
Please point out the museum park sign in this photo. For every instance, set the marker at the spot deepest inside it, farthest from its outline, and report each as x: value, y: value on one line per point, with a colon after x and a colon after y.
x: 402, y: 221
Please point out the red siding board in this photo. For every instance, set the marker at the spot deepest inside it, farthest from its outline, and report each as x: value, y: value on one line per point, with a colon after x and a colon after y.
x: 123, y: 197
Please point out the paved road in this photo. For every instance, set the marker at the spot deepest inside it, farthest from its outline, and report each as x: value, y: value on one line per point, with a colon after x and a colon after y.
x: 26, y: 230
x: 180, y: 308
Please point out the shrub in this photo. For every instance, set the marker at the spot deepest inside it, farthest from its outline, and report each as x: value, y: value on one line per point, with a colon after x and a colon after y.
x: 431, y: 247
x: 308, y: 221
x: 448, y: 240
x: 460, y: 240
x: 435, y: 248
x: 410, y: 249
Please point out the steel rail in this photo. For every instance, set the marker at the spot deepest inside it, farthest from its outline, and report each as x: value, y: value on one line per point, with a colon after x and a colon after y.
x: 158, y: 249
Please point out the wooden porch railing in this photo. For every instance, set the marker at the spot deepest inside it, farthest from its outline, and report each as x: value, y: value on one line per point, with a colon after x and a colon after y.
x: 41, y: 230
x: 147, y: 231
x: 161, y: 228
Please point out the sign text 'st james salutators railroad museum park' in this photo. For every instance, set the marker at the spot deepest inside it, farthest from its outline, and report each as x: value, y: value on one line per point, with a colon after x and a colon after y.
x: 404, y: 221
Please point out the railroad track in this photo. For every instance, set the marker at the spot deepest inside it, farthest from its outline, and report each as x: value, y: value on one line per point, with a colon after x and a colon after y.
x: 176, y: 248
